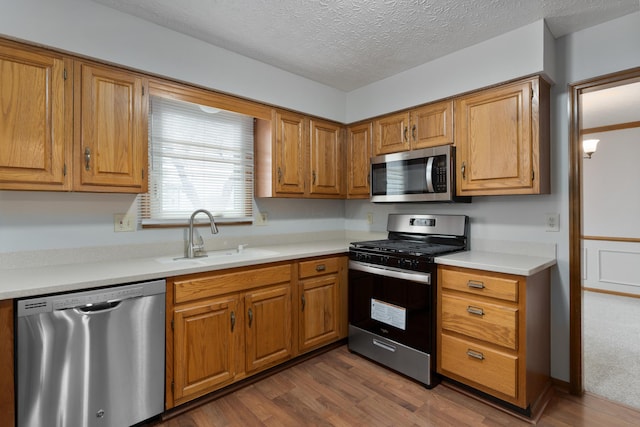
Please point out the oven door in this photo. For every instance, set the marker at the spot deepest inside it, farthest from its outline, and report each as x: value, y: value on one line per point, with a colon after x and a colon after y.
x: 394, y: 304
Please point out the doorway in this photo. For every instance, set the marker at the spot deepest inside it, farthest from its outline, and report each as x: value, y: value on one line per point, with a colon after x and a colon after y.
x: 581, y: 265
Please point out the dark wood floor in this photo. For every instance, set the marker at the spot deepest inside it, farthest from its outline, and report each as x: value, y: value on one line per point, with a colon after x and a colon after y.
x: 338, y: 388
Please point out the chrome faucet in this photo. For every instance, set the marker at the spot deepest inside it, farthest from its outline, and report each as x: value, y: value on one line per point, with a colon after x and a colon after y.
x: 195, y: 250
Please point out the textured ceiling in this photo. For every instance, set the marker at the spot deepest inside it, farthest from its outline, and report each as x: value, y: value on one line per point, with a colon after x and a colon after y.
x: 350, y: 43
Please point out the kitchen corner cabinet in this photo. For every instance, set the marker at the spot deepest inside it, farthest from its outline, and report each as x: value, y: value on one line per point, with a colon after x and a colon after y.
x: 502, y: 140
x: 359, y: 161
x: 110, y: 130
x: 493, y: 333
x: 36, y: 127
x: 422, y: 127
x: 296, y: 156
x: 224, y: 326
x: 319, y: 315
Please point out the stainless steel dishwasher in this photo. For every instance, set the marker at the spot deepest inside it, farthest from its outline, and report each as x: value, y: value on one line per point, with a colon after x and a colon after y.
x: 93, y: 358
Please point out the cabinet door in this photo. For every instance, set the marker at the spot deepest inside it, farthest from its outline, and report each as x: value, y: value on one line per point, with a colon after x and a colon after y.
x: 268, y: 326
x: 319, y: 311
x: 432, y: 125
x: 111, y: 130
x: 35, y: 129
x: 204, y: 347
x: 494, y: 140
x: 358, y: 161
x: 290, y: 154
x: 391, y: 134
x: 326, y: 158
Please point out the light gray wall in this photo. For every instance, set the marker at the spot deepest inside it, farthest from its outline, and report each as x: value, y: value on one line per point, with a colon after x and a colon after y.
x: 512, y: 55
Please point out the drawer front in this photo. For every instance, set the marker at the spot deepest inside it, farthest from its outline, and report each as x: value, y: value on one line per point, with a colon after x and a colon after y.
x: 489, y: 368
x: 502, y: 287
x: 191, y: 288
x: 319, y: 267
x: 487, y: 322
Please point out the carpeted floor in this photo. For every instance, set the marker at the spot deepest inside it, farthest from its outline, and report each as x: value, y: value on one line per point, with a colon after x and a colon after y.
x: 611, y: 347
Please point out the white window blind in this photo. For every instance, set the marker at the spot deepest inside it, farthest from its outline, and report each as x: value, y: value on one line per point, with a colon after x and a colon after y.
x: 199, y: 157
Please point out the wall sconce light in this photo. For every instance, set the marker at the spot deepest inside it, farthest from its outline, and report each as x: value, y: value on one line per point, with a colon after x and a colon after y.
x: 589, y: 147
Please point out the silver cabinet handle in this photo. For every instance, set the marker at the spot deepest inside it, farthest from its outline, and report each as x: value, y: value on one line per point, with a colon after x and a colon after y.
x: 250, y: 317
x: 321, y: 267
x: 413, y: 132
x: 233, y: 320
x: 463, y: 169
x: 87, y: 158
x: 475, y: 284
x: 279, y: 175
x: 304, y: 302
x: 475, y: 310
x: 406, y: 131
x: 475, y: 354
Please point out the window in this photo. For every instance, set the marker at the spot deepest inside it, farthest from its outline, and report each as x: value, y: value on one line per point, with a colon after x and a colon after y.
x: 199, y: 157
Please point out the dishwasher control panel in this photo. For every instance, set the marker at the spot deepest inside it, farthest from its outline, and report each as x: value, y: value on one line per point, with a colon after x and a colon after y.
x: 46, y: 304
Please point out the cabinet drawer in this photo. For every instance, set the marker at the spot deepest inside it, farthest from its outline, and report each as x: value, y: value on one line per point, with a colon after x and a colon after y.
x: 489, y: 368
x: 504, y: 287
x: 318, y: 267
x: 488, y: 322
x: 191, y: 288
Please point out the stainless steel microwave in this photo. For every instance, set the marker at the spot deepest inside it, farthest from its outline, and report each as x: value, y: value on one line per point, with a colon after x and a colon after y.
x: 425, y: 175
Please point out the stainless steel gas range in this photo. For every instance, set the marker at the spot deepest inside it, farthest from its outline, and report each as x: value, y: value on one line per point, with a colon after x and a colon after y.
x: 392, y: 291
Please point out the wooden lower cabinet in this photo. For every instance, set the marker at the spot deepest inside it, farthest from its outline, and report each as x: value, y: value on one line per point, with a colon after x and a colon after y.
x: 319, y: 302
x: 7, y: 394
x: 268, y: 326
x: 204, y: 345
x: 223, y: 326
x: 493, y: 333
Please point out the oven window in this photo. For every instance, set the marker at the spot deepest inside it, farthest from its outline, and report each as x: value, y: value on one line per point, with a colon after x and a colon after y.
x: 392, y: 297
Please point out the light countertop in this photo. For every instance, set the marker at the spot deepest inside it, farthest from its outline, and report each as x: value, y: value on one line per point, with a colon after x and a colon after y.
x: 68, y: 277
x: 26, y: 282
x: 523, y: 265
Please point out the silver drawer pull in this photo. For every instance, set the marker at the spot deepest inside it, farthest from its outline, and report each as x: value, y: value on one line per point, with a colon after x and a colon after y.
x: 475, y: 354
x: 475, y: 310
x: 384, y: 345
x: 321, y: 267
x: 475, y: 284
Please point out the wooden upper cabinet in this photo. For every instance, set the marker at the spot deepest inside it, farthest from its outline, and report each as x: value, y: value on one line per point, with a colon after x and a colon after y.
x: 35, y: 119
x: 502, y: 139
x: 298, y: 156
x: 326, y: 158
x: 358, y: 161
x: 432, y: 125
x: 111, y: 143
x: 391, y: 134
x: 422, y: 127
x: 290, y: 153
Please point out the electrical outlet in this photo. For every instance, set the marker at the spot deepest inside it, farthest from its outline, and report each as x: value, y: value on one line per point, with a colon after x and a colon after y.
x: 262, y: 218
x: 123, y: 222
x: 552, y: 221
x: 370, y: 217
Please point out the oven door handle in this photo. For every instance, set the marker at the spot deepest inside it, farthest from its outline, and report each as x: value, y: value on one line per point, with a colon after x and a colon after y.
x: 420, y: 277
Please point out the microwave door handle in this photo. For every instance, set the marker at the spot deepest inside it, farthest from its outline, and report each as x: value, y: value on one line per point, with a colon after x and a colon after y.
x: 429, y: 174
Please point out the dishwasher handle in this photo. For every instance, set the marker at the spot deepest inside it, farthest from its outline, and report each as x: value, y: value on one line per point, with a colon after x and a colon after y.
x: 99, y: 307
